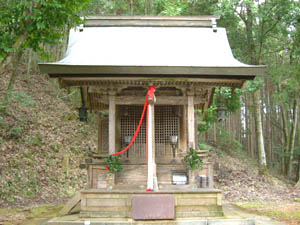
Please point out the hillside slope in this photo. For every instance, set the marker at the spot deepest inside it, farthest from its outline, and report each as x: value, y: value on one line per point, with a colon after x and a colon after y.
x: 41, y: 143
x: 237, y: 176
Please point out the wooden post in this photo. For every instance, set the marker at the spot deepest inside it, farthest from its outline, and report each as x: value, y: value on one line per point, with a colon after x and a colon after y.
x: 191, y: 122
x: 112, y: 124
x: 151, y: 150
x: 196, y: 129
x: 219, y: 199
x: 118, y: 144
x: 100, y: 150
x: 155, y: 182
x: 183, y: 130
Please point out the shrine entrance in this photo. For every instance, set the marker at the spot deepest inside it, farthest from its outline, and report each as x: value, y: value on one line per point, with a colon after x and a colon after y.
x: 167, y: 125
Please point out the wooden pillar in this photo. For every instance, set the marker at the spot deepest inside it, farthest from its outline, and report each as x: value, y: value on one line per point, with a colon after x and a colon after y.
x: 112, y: 124
x: 100, y: 150
x: 152, y: 183
x: 183, y: 130
x: 118, y: 144
x: 196, y: 129
x: 191, y: 122
x: 151, y: 147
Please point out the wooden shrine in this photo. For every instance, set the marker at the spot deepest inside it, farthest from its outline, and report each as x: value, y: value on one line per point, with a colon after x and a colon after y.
x: 114, y: 60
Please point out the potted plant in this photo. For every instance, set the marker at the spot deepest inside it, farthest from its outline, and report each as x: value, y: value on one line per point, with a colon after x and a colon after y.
x: 113, y: 164
x: 193, y: 160
x: 194, y: 163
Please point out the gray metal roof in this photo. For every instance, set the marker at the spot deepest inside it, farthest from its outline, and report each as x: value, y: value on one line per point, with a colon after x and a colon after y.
x: 187, y: 51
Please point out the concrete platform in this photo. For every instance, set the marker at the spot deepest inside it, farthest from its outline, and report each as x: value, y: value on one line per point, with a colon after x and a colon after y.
x: 233, y: 216
x: 76, y: 220
x: 117, y: 203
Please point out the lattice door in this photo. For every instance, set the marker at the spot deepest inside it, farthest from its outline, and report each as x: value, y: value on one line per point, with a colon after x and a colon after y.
x: 166, y: 124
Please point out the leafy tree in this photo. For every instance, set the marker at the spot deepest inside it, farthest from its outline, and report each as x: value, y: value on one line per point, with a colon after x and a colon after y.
x: 153, y: 7
x: 255, y: 22
x: 31, y: 24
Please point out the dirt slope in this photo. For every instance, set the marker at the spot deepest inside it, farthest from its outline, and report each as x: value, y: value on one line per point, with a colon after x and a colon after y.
x: 41, y: 143
x: 237, y: 176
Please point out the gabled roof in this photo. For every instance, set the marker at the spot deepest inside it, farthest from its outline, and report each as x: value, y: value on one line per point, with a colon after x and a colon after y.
x: 150, y: 46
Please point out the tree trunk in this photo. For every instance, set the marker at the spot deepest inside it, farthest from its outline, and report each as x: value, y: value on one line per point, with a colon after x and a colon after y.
x: 131, y: 7
x: 15, y: 63
x: 215, y: 133
x: 292, y: 137
x: 10, y: 58
x: 284, y: 167
x: 4, y: 63
x: 146, y: 7
x: 29, y: 64
x: 298, y: 171
x: 253, y: 133
x: 263, y: 170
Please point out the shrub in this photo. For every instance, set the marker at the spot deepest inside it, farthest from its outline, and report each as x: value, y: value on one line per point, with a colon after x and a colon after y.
x: 227, y: 141
x: 193, y: 160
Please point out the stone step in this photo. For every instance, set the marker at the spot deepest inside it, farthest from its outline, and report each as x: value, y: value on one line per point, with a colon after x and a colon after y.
x: 75, y: 220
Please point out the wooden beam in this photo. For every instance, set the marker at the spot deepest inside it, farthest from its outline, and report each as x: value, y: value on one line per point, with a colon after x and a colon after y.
x: 160, y: 100
x: 146, y: 18
x: 70, y: 204
x: 163, y: 80
x: 148, y: 21
x: 138, y: 82
x: 61, y: 70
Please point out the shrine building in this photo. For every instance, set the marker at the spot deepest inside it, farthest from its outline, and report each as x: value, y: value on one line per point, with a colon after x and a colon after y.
x: 114, y: 60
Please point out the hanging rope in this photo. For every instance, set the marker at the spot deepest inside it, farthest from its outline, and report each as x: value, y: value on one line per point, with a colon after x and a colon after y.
x: 150, y: 93
x: 149, y: 97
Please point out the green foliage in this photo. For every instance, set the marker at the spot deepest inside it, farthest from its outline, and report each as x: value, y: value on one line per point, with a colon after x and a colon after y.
x: 228, y: 97
x: 17, y: 186
x: 154, y: 7
x: 113, y: 164
x: 209, y: 117
x: 227, y: 141
x: 248, y: 21
x: 14, y: 132
x: 3, y: 106
x: 70, y: 117
x: 193, y: 160
x: 35, y: 140
x: 173, y: 8
x: 22, y: 98
x: 223, y: 96
x: 3, y: 124
x: 253, y: 86
x: 203, y: 146
x: 29, y: 24
x: 287, y: 78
